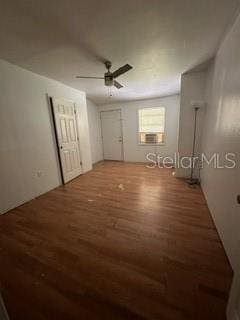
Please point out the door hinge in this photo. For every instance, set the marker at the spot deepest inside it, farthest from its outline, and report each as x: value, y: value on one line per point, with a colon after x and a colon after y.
x: 80, y: 163
x: 75, y: 111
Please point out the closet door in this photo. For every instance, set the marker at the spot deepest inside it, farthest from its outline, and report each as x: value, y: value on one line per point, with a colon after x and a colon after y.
x: 67, y: 138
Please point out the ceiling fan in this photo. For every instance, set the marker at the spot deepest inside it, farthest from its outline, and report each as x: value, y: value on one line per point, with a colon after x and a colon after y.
x: 109, y: 77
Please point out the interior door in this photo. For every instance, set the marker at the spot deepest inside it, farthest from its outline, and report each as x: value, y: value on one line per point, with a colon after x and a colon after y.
x: 112, y: 135
x: 67, y: 138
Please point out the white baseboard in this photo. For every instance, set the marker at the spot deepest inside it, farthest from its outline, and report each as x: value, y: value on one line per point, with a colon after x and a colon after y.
x: 232, y: 315
x: 3, y: 311
x: 236, y: 316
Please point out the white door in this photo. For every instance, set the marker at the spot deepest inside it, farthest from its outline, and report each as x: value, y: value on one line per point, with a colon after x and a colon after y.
x: 67, y: 138
x: 112, y: 135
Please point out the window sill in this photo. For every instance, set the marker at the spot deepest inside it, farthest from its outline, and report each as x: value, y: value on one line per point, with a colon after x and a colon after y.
x: 151, y: 144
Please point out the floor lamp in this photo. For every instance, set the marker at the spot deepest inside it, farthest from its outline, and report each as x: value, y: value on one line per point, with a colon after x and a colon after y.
x: 196, y: 105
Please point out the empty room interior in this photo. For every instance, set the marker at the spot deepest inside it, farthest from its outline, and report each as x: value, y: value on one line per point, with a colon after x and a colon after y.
x: 120, y: 159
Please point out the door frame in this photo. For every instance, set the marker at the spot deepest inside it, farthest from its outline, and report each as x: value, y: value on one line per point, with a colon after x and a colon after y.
x: 121, y: 127
x: 50, y: 99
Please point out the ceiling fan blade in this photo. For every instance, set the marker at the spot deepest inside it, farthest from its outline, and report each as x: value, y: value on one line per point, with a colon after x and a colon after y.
x: 117, y: 85
x: 83, y: 77
x: 121, y: 70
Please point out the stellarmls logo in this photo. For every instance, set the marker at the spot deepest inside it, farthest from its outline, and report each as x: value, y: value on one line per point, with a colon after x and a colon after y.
x: 215, y: 160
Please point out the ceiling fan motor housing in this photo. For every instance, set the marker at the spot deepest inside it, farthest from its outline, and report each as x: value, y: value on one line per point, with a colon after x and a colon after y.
x: 108, y: 78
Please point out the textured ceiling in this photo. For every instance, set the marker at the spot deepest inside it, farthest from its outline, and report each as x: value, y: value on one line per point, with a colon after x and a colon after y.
x: 161, y: 39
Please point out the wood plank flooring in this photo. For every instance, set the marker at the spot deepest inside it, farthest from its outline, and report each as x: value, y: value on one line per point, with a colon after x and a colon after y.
x: 120, y: 242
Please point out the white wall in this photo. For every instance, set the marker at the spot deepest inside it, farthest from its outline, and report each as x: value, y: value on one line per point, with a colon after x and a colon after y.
x: 95, y: 131
x: 192, y: 89
x: 27, y: 143
x: 233, y: 309
x: 132, y: 150
x: 221, y: 134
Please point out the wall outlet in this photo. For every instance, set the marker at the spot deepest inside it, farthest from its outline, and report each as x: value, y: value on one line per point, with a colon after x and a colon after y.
x: 39, y: 174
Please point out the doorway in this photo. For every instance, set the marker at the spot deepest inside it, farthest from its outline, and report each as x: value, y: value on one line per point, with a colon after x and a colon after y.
x: 111, y: 122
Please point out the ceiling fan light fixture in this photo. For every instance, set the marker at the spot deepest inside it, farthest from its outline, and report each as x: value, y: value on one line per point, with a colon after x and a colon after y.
x: 108, y: 79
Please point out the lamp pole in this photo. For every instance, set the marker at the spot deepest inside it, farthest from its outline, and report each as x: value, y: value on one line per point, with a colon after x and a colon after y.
x: 194, y: 180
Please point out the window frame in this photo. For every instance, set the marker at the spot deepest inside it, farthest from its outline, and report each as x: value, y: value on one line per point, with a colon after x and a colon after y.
x: 138, y: 132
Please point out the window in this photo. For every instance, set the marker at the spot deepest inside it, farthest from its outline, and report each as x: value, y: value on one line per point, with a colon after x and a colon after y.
x: 151, y: 125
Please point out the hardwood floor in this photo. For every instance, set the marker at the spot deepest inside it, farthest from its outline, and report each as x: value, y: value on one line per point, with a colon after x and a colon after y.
x: 120, y: 242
